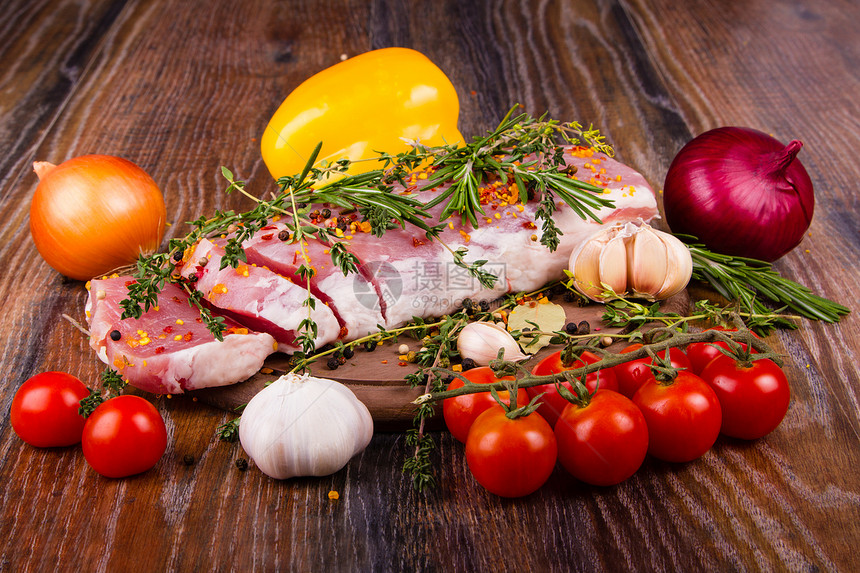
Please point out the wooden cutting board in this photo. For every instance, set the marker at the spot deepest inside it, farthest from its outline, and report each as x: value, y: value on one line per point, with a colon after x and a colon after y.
x: 377, y: 377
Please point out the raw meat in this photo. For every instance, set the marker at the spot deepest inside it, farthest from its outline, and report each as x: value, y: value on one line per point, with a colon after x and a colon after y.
x: 169, y: 349
x: 258, y: 298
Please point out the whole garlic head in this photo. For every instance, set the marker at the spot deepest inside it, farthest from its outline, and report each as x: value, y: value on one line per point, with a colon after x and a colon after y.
x: 631, y: 259
x: 304, y: 426
x: 481, y: 341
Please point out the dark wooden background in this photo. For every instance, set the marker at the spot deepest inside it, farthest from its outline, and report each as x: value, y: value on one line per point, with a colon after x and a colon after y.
x: 183, y: 87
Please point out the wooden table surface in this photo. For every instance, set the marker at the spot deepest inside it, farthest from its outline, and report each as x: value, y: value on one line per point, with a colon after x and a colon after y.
x: 183, y: 87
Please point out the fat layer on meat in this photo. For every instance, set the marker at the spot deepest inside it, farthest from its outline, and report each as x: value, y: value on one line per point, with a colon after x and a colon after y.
x: 169, y: 350
x: 258, y: 297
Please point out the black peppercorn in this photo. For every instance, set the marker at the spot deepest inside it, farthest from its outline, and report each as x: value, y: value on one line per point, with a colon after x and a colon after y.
x: 177, y: 256
x: 370, y: 345
x: 485, y: 305
x: 115, y: 335
x: 242, y: 464
x: 284, y: 235
x: 348, y: 352
x: 583, y: 328
x: 570, y: 328
x: 468, y: 364
x: 188, y: 460
x: 332, y: 363
x: 326, y: 213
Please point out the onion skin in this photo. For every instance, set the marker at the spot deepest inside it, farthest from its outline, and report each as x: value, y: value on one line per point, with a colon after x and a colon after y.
x: 93, y: 214
x: 740, y: 192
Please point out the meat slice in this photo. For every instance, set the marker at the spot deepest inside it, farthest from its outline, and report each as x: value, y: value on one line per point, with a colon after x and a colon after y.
x: 169, y: 350
x: 353, y: 298
x: 258, y: 298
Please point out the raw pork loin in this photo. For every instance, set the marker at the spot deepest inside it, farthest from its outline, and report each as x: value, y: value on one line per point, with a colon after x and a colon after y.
x: 169, y: 349
x: 400, y: 276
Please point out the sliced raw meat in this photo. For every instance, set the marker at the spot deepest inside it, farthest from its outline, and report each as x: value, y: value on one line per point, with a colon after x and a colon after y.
x: 258, y: 297
x: 169, y: 350
x: 352, y: 298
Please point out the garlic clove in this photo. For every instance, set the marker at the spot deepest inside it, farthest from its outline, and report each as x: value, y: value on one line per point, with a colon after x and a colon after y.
x: 680, y: 264
x: 612, y: 266
x: 586, y: 269
x: 647, y: 262
x: 481, y: 341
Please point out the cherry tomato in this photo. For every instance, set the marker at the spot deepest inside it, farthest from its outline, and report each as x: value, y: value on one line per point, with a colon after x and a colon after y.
x: 511, y: 457
x: 754, y: 399
x: 124, y: 436
x: 45, y: 410
x: 683, y: 417
x: 552, y: 403
x: 460, y: 412
x: 603, y: 442
x: 701, y: 353
x: 631, y: 375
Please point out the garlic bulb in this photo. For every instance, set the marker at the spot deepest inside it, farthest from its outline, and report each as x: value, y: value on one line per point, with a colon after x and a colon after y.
x: 631, y: 259
x: 304, y: 426
x: 481, y: 341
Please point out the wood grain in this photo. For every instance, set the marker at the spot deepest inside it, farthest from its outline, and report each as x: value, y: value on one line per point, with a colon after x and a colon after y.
x: 182, y: 88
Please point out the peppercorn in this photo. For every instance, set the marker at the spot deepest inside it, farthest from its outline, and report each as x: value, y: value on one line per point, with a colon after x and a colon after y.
x: 370, y: 345
x: 188, y: 460
x: 570, y: 297
x: 115, y: 335
x: 326, y: 213
x: 485, y: 305
x: 348, y: 352
x: 468, y: 364
x: 332, y: 363
x: 177, y: 256
x: 583, y: 327
x: 242, y: 464
x: 284, y: 235
x: 570, y: 328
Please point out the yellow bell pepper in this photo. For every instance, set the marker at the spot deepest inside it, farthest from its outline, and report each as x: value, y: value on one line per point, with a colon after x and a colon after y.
x: 360, y: 106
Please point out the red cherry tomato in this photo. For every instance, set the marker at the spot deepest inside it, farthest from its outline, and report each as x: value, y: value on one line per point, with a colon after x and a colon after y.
x: 460, y: 412
x: 701, y: 353
x: 754, y: 399
x: 45, y: 410
x: 631, y: 375
x: 683, y: 417
x: 603, y: 442
x: 124, y: 436
x: 552, y: 403
x: 510, y: 458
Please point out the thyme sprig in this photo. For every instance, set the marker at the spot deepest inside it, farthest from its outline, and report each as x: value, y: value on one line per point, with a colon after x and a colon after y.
x: 665, y: 338
x: 112, y: 382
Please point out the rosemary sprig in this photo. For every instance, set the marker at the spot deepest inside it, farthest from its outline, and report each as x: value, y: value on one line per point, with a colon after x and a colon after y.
x: 523, y: 148
x: 748, y: 281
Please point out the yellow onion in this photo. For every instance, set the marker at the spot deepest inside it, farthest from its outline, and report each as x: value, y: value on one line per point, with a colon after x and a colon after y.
x: 93, y: 214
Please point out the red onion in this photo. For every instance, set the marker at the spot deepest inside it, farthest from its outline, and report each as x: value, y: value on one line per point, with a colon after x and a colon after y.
x: 740, y: 192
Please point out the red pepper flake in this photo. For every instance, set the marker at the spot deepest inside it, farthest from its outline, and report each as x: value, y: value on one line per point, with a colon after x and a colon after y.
x: 416, y: 242
x: 384, y: 362
x: 188, y: 336
x: 177, y: 299
x: 529, y: 225
x: 343, y: 331
x: 269, y: 227
x: 267, y: 236
x: 159, y: 350
x: 168, y: 329
x: 403, y: 364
